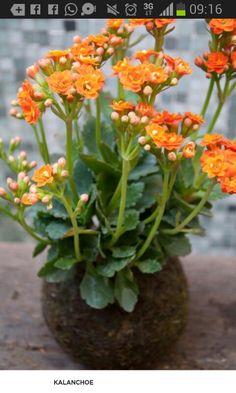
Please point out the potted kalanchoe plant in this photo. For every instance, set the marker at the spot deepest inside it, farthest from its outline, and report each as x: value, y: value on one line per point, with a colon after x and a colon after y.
x: 115, y: 212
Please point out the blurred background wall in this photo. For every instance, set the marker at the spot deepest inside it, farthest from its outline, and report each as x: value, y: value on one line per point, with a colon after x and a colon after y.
x: 22, y: 42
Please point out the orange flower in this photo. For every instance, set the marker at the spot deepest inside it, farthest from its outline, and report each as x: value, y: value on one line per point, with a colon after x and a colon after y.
x: 61, y: 82
x: 114, y: 23
x: 163, y: 22
x: 89, y: 81
x: 182, y: 67
x: 219, y: 26
x: 122, y: 65
x: 133, y: 78
x: 144, y: 55
x: 214, y: 163
x: 98, y: 40
x: 228, y: 185
x: 83, y: 52
x: 216, y: 62
x: 233, y: 59
x: 196, y: 119
x: 57, y: 54
x: 231, y: 145
x: 139, y: 22
x: 29, y: 199
x: 167, y: 118
x: 189, y: 150
x: 29, y: 107
x: 212, y: 141
x: 121, y: 106
x: 154, y: 74
x: 161, y: 138
x: 43, y: 176
x: 143, y: 109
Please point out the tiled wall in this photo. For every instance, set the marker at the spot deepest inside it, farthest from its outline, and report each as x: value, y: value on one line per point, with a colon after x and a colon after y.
x: 24, y: 41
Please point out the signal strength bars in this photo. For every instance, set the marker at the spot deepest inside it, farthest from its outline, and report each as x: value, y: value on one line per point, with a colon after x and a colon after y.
x: 168, y: 11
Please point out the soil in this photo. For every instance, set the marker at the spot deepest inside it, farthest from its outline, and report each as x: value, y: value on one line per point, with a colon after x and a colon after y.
x: 112, y: 338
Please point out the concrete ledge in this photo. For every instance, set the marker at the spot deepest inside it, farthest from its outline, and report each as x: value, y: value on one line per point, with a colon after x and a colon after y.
x: 208, y: 343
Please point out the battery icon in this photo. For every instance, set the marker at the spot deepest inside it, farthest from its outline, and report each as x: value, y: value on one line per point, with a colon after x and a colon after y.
x: 180, y: 9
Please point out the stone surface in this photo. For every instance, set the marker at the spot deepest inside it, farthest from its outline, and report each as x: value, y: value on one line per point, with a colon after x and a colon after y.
x: 209, y: 341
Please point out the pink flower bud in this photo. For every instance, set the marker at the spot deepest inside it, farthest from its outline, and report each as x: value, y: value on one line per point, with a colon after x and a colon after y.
x: 199, y: 61
x: 125, y: 119
x: 120, y: 30
x: 64, y: 173
x: 46, y: 199
x: 22, y: 155
x: 77, y: 39
x: 63, y: 60
x: 13, y: 112
x: 33, y: 164
x: 61, y: 162
x: 100, y: 51
x: 131, y: 114
x: 2, y: 192
x: 17, y: 201
x: 48, y: 103
x: 33, y: 189
x: 144, y: 120
x: 147, y: 147
x: 84, y: 198
x: 149, y: 26
x: 174, y: 82
x: 172, y: 156
x: 188, y: 122
x: 195, y: 127
x: 115, y: 116
x: 38, y: 95
x: 142, y: 140
x: 110, y: 51
x: 55, y: 169
x: 26, y: 179
x: 32, y: 71
x: 147, y: 91
x: 135, y: 120
x: 13, y: 186
x: 21, y: 176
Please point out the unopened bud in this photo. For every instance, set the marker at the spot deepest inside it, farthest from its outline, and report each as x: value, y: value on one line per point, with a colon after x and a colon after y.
x: 64, y: 173
x: 26, y: 180
x: 13, y: 112
x: 23, y: 155
x: 77, y: 39
x: 174, y: 82
x: 172, y: 156
x: 38, y: 95
x: 61, y: 162
x: 144, y: 120
x: 17, y: 201
x: 142, y: 140
x: 13, y: 186
x: 147, y: 91
x: 33, y: 189
x: 48, y: 103
x: 32, y: 71
x: 21, y: 176
x: 125, y: 119
x: 33, y: 164
x: 115, y: 116
x: 188, y: 122
x: 147, y: 147
x: 2, y: 192
x: 11, y: 158
x: 46, y: 199
x: 84, y: 198
x: 63, y: 60
x: 100, y: 51
x: 55, y: 169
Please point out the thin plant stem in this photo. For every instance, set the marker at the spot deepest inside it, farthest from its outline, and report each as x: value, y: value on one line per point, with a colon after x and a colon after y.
x: 44, y: 142
x: 208, y: 97
x: 98, y: 123
x: 193, y: 214
x: 121, y: 215
x: 114, y: 200
x: 159, y: 217
x: 75, y: 227
x: 219, y: 107
x: 69, y: 157
x: 21, y: 220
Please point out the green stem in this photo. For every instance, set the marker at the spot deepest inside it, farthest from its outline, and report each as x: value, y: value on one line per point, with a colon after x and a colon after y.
x: 75, y: 227
x: 208, y: 97
x: 69, y: 157
x: 98, y: 123
x: 193, y: 214
x: 159, y: 216
x: 21, y: 220
x: 121, y: 215
x: 121, y: 92
x: 44, y: 142
x: 114, y: 200
x: 219, y: 107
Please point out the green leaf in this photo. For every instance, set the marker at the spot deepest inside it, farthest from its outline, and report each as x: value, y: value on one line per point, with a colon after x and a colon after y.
x: 96, y: 290
x: 176, y: 245
x: 111, y: 266
x: 52, y: 253
x: 98, y: 166
x: 123, y: 251
x: 109, y: 155
x: 149, y: 266
x: 58, y: 210
x: 65, y: 263
x: 82, y: 177
x: 146, y: 166
x: 56, y: 229
x: 126, y: 290
x: 153, y: 188
x: 131, y: 220
x: 185, y: 175
x: 52, y: 274
x: 134, y: 193
x: 39, y: 249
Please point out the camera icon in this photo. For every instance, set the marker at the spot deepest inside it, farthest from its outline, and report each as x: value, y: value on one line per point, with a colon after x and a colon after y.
x: 131, y: 9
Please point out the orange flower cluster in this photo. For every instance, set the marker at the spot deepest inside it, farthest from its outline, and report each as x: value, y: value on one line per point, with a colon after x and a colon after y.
x: 219, y: 26
x: 61, y: 82
x: 29, y: 106
x: 151, y: 24
x: 127, y: 113
x: 219, y: 161
x: 89, y: 81
x: 162, y: 138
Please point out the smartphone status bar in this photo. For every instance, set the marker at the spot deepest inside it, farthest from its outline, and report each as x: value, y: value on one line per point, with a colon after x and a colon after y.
x: 117, y: 9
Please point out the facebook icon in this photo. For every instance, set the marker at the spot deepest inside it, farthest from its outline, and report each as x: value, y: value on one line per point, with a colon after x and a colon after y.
x: 53, y: 9
x: 35, y: 9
